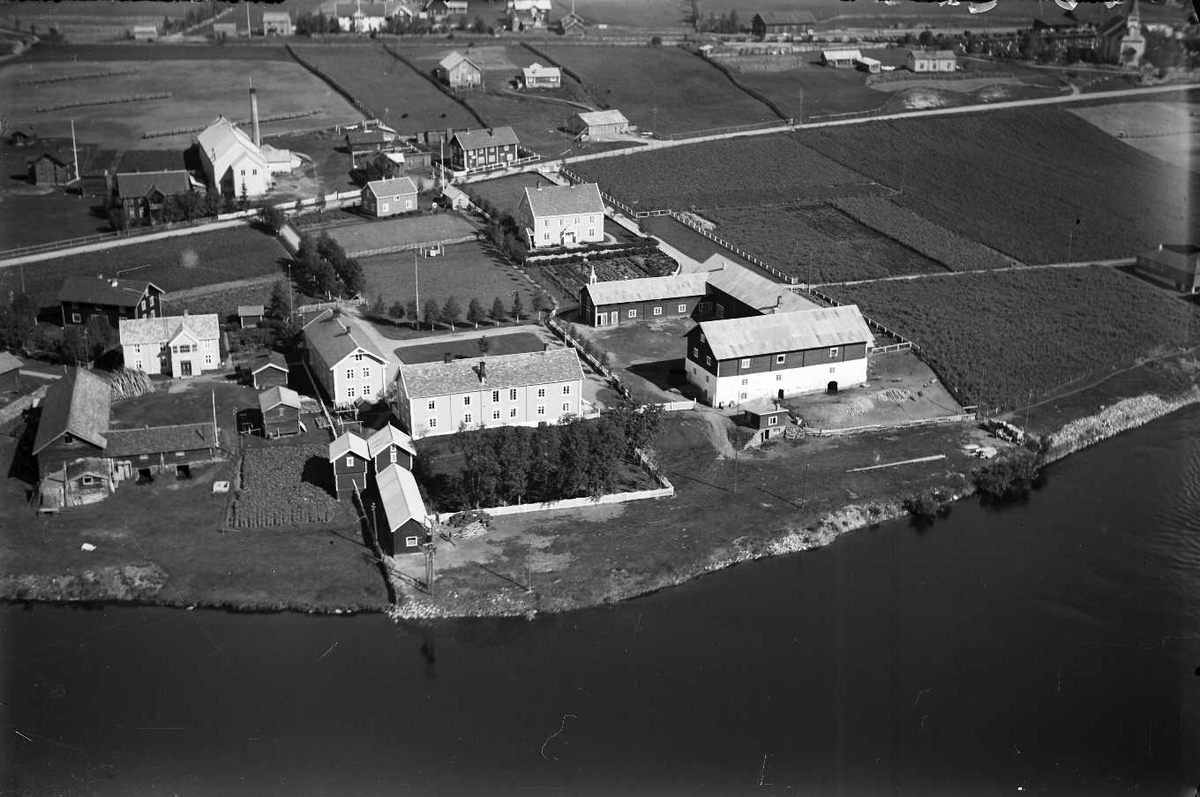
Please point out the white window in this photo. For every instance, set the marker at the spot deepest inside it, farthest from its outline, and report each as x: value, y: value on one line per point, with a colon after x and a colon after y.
x: 745, y: 381
x: 495, y: 395
x: 410, y: 542
x: 208, y: 359
x: 566, y: 390
x: 745, y: 362
x: 495, y: 415
x: 683, y: 308
x: 433, y: 423
x: 349, y: 373
x: 833, y: 352
x: 773, y: 420
x: 541, y: 410
x: 780, y: 359
x: 512, y: 413
x: 392, y: 454
x: 75, y: 318
x: 466, y: 417
x: 566, y: 406
x: 632, y: 313
x: 466, y: 401
x: 432, y: 404
x: 696, y: 352
x: 366, y: 373
x: 778, y: 377
x: 349, y: 461
x: 658, y: 311
x: 350, y: 391
x: 541, y: 392
x: 512, y: 394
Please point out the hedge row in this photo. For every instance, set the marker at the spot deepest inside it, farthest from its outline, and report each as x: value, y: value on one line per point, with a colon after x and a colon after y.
x: 279, y: 117
x: 64, y: 78
x: 159, y: 95
x: 733, y: 78
x: 440, y: 86
x: 332, y: 84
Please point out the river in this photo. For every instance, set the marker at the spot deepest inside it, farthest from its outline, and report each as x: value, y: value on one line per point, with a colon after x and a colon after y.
x: 1048, y: 647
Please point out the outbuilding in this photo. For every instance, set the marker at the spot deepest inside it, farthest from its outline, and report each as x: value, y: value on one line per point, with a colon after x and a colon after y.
x: 840, y: 59
x: 269, y: 370
x: 390, y: 446
x: 598, y: 123
x: 931, y: 61
x: 280, y: 408
x: 392, y: 197
x: 459, y: 72
x: 405, y: 517
x: 10, y: 372
x: 349, y: 458
x: 1177, y: 265
x: 249, y: 315
x: 766, y: 417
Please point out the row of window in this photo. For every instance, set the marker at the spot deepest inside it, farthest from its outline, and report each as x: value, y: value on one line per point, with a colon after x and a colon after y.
x: 657, y: 311
x: 591, y: 234
x: 780, y: 359
x: 469, y: 418
x: 366, y: 373
x: 512, y: 396
x: 562, y: 222
x: 366, y: 391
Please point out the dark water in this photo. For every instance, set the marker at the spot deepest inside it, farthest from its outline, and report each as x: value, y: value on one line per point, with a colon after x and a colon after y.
x: 1049, y: 648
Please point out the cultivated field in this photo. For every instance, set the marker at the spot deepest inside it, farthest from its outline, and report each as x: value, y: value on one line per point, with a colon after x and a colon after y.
x: 1166, y: 130
x: 196, y: 99
x: 387, y: 87
x: 817, y: 243
x: 186, y: 261
x: 1000, y: 337
x: 960, y: 173
x: 732, y: 173
x: 404, y: 230
x: 466, y: 271
x: 566, y: 279
x: 663, y: 89
x: 813, y: 93
x: 288, y: 485
x: 143, y: 52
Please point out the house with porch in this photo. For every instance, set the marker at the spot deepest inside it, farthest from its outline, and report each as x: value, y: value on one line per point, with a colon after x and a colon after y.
x: 562, y: 215
x: 143, y: 194
x: 536, y: 76
x: 738, y: 360
x: 343, y: 359
x: 486, y: 148
x: 180, y: 346
x: 80, y: 298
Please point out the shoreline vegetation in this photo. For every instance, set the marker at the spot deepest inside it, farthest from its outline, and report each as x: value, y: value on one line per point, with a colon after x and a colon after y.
x: 145, y: 585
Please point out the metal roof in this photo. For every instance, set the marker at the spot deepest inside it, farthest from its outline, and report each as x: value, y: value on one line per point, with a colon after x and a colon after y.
x: 841, y: 55
x: 271, y: 360
x: 97, y: 290
x: 610, y: 117
x: 141, y: 331
x: 222, y: 136
x: 734, y: 338
x: 271, y: 398
x: 348, y: 443
x: 78, y: 403
x: 647, y: 289
x: 564, y: 200
x: 486, y: 137
x: 500, y: 372
x: 752, y: 289
x: 396, y: 186
x: 159, y: 439
x: 400, y: 496
x: 333, y: 338
x: 389, y: 436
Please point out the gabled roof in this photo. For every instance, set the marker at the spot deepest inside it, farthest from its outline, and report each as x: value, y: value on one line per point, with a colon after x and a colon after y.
x: 564, y: 200
x: 400, y: 496
x: 276, y: 16
x: 530, y: 5
x: 51, y: 156
x: 160, y: 439
x: 9, y: 362
x: 752, y: 289
x: 273, y: 397
x: 486, y: 137
x: 802, y: 329
x: 500, y: 373
x: 223, y: 137
x: 249, y: 309
x: 389, y: 436
x: 787, y: 17
x: 142, y: 331
x: 272, y: 360
x: 936, y: 55
x: 78, y: 403
x: 348, y: 443
x: 610, y: 117
x: 841, y: 55
x: 454, y: 59
x: 368, y: 137
x: 647, y: 289
x: 133, y: 184
x: 393, y: 187
x: 96, y: 290
x: 333, y: 338
x: 535, y: 70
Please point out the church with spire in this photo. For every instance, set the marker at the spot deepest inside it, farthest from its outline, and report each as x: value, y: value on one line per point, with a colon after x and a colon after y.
x: 1121, y: 40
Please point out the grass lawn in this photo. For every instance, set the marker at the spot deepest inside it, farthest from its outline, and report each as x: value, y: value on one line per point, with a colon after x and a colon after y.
x: 958, y: 172
x: 283, y: 88
x: 535, y: 121
x: 388, y: 87
x: 466, y: 271
x: 172, y: 264
x: 463, y: 348
x: 380, y: 233
x: 663, y: 89
x: 1003, y: 337
x: 34, y: 215
x: 504, y: 193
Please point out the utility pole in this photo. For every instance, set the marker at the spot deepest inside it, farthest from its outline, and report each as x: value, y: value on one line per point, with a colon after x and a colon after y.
x: 249, y: 33
x: 735, y: 466
x: 75, y: 153
x: 430, y: 554
x: 529, y: 569
x: 804, y: 487
x: 416, y: 287
x: 291, y: 310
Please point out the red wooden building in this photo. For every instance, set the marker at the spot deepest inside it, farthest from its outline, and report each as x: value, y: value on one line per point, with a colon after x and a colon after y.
x: 405, y: 518
x: 70, y: 441
x: 83, y: 297
x: 390, y: 446
x: 280, y: 408
x: 270, y: 370
x: 349, y: 459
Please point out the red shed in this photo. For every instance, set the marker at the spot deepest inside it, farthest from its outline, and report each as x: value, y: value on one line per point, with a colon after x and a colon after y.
x: 280, y: 408
x: 390, y: 446
x: 349, y: 457
x: 270, y: 370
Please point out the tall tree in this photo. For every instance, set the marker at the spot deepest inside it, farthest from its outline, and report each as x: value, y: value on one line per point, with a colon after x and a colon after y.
x: 430, y: 312
x: 475, y: 312
x: 396, y: 311
x: 279, y: 307
x: 410, y: 310
x: 518, y: 307
x: 514, y: 453
x: 451, y: 312
x: 498, y: 313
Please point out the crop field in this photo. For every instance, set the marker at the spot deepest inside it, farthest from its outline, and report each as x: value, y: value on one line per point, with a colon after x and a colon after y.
x: 283, y: 88
x: 382, y: 233
x: 1000, y: 337
x: 187, y: 261
x: 937, y: 243
x: 285, y: 485
x: 664, y: 89
x: 732, y: 173
x: 388, y: 87
x: 466, y: 271
x: 154, y: 52
x: 814, y: 93
x: 817, y: 243
x: 959, y: 172
x: 1166, y: 130
x: 567, y: 278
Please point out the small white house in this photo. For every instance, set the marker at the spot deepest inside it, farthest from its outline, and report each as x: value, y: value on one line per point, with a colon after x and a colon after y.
x: 931, y: 61
x: 389, y: 197
x: 537, y: 76
x: 180, y: 346
x: 562, y: 215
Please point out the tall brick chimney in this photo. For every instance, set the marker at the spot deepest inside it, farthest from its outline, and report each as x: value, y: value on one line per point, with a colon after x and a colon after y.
x: 254, y: 115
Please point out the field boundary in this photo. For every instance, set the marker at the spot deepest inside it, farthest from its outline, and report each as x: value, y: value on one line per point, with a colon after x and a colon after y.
x: 329, y: 81
x: 775, y: 109
x: 961, y: 417
x: 436, y: 83
x: 387, y: 250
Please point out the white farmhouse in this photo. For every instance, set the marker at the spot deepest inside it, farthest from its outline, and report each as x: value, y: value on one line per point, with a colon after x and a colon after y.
x: 181, y: 346
x: 562, y: 215
x: 344, y: 361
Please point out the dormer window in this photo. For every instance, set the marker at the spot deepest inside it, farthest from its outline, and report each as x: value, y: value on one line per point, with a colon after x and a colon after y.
x: 68, y: 438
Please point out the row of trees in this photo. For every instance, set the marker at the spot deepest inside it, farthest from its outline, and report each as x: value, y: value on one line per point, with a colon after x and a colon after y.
x: 503, y: 231
x: 515, y: 464
x: 317, y: 24
x: 450, y: 312
x: 726, y: 23
x: 322, y: 268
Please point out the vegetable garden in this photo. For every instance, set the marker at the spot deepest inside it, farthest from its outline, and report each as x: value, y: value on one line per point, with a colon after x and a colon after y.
x: 284, y: 485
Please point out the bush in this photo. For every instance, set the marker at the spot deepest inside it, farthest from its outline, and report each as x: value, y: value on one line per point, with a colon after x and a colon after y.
x: 926, y: 505
x: 1007, y: 477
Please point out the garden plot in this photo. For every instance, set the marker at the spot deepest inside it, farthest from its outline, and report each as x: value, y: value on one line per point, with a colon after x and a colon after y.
x: 288, y: 485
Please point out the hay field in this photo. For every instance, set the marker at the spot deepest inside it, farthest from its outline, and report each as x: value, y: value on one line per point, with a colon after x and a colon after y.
x: 283, y: 88
x: 1170, y: 131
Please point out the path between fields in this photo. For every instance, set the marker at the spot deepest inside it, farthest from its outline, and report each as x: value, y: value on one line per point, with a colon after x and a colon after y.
x: 218, y: 287
x: 538, y: 98
x: 1122, y: 261
x: 118, y: 242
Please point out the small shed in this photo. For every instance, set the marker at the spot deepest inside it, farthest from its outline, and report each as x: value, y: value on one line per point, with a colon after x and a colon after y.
x: 280, y: 408
x: 269, y: 370
x: 349, y: 459
x: 390, y: 446
x: 871, y: 66
x: 144, y: 33
x: 22, y: 137
x: 404, y: 514
x: 598, y: 123
x: 10, y: 372
x: 840, y: 59
x: 249, y: 315
x: 572, y: 25
x: 51, y: 168
x: 458, y: 71
x: 766, y: 417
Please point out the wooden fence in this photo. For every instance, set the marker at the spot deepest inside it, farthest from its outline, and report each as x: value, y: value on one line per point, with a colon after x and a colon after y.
x: 578, y: 346
x: 962, y: 417
x: 737, y: 250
